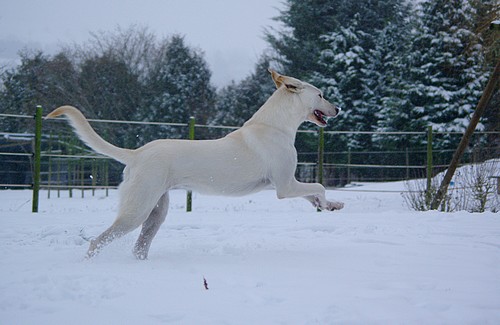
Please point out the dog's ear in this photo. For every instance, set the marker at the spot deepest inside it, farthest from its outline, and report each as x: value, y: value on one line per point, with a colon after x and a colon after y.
x: 291, y: 84
x: 277, y: 78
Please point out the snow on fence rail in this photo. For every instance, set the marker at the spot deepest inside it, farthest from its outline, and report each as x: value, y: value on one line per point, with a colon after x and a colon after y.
x: 67, y: 165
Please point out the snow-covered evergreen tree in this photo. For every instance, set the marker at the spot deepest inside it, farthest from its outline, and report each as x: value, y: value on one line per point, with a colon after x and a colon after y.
x: 390, y: 68
x: 109, y: 90
x: 488, y: 27
x: 299, y: 43
x: 447, y: 74
x: 391, y: 85
x: 357, y: 64
x: 179, y: 86
x: 342, y: 80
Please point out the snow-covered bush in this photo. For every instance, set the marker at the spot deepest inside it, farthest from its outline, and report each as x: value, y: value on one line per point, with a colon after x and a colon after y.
x: 472, y: 189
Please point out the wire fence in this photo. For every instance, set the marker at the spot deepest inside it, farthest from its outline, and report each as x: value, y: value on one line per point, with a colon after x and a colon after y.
x: 66, y: 164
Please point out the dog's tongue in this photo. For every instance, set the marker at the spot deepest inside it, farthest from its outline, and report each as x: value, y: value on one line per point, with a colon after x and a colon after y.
x: 320, y: 116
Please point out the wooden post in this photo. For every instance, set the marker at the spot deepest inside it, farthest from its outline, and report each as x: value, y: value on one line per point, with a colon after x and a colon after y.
x: 37, y: 148
x: 481, y: 107
x: 189, y: 196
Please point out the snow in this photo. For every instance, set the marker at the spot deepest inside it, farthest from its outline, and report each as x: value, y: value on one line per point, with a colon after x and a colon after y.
x: 266, y: 261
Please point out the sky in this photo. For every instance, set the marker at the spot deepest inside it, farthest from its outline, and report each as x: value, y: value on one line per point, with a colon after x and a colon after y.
x: 230, y: 32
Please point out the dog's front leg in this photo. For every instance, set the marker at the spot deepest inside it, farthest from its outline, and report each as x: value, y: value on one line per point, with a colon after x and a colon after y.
x: 313, y: 192
x: 327, y: 205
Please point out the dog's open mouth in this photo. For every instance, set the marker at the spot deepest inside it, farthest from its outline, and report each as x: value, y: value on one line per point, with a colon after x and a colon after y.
x: 320, y: 116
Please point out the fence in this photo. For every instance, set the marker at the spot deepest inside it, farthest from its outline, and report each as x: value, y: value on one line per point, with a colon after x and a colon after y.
x: 62, y: 162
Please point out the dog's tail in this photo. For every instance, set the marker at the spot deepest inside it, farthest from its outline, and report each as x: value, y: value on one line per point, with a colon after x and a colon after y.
x: 87, y: 134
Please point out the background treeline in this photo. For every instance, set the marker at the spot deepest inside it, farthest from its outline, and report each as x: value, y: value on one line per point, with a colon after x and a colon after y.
x: 391, y: 66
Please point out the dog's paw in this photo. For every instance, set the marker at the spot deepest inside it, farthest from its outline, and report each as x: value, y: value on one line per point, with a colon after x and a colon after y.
x: 328, y: 205
x: 333, y: 205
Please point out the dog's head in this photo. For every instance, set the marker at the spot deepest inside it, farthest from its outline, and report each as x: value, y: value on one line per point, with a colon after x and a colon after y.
x: 317, y: 108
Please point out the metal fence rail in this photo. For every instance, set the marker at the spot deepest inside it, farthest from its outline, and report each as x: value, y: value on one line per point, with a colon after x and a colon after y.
x: 66, y: 164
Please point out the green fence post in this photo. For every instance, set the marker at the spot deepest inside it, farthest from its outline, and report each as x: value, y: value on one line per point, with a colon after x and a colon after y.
x: 37, y: 157
x: 94, y: 176
x: 82, y: 176
x: 106, y: 176
x: 58, y: 177
x: 321, y: 156
x: 349, y: 157
x: 407, y: 161
x: 429, y: 165
x: 49, y: 183
x: 189, y: 197
x: 70, y: 176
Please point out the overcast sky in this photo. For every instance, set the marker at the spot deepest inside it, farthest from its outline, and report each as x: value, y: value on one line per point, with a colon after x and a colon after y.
x: 230, y: 32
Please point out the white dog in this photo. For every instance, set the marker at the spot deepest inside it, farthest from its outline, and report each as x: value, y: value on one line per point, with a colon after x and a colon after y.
x: 259, y: 154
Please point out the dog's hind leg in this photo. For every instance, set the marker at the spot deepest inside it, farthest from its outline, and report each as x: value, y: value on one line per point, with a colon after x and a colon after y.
x: 119, y: 228
x: 113, y: 232
x: 137, y: 200
x: 150, y: 227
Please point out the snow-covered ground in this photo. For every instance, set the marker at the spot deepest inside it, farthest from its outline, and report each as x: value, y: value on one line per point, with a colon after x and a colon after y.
x: 266, y: 261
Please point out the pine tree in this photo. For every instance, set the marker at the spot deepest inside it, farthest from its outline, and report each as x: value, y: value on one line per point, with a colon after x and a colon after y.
x: 110, y: 90
x: 357, y: 66
x: 342, y: 79
x: 446, y: 73
x: 299, y: 44
x: 489, y: 32
x: 389, y: 65
x: 179, y: 87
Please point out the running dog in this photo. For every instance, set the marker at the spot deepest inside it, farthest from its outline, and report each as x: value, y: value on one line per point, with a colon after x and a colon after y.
x: 259, y: 154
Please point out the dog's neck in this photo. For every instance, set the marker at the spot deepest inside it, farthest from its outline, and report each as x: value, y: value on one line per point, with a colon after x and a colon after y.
x: 282, y: 111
